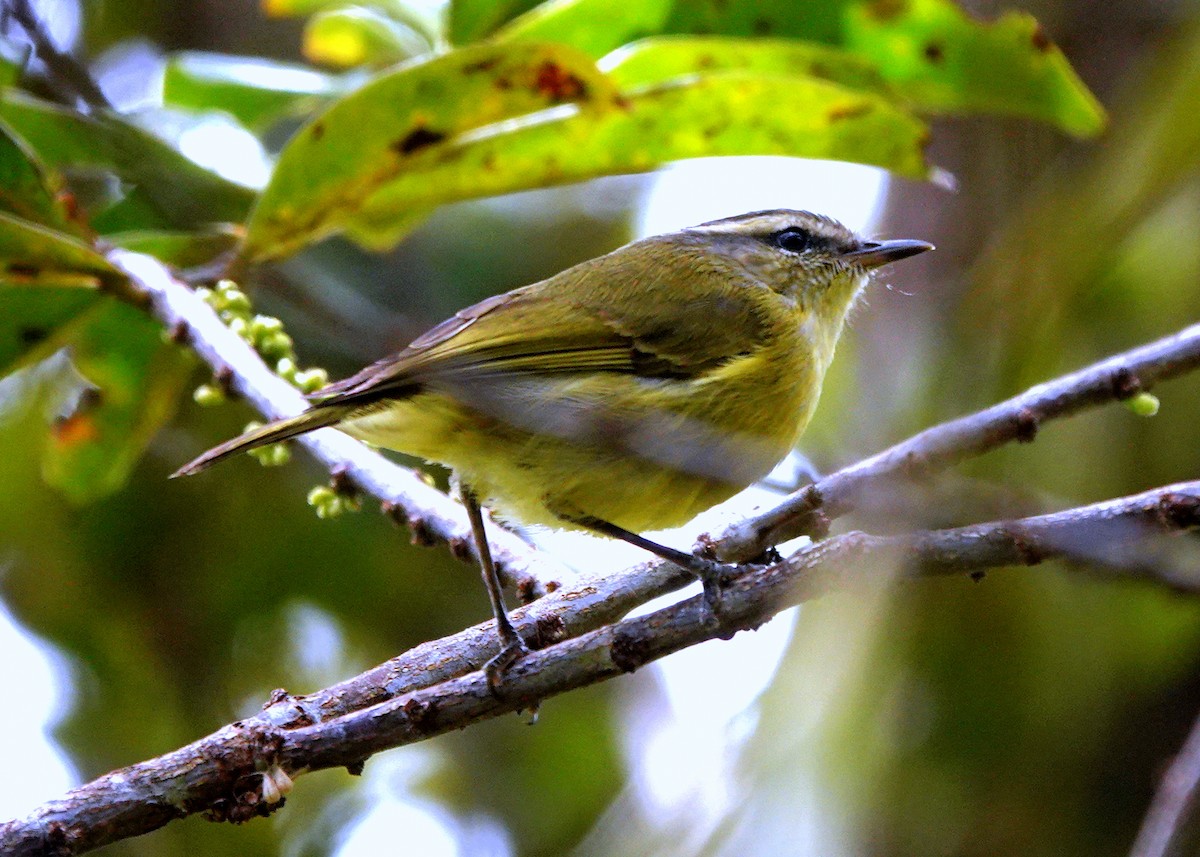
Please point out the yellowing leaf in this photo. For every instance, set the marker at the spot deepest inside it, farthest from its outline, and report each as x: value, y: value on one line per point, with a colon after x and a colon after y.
x: 943, y: 61
x: 722, y: 115
x: 366, y: 139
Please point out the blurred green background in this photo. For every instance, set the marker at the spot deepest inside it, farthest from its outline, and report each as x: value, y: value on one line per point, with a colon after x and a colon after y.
x: 1029, y: 714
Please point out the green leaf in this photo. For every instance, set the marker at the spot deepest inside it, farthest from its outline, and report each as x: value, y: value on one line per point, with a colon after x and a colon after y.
x: 347, y: 38
x: 182, y: 193
x: 413, y: 17
x: 31, y: 318
x: 32, y: 254
x: 47, y: 279
x: 137, y: 379
x: 27, y: 189
x: 12, y: 62
x: 933, y: 54
x: 720, y: 115
x: 256, y: 92
x: 179, y: 249
x: 472, y: 20
x: 592, y: 26
x: 374, y: 134
x: 658, y: 60
x: 943, y: 61
x: 818, y: 22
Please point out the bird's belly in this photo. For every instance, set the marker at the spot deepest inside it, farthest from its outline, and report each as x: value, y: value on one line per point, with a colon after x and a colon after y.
x: 538, y: 449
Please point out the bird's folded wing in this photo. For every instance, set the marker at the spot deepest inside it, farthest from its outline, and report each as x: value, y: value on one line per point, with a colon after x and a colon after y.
x: 536, y: 330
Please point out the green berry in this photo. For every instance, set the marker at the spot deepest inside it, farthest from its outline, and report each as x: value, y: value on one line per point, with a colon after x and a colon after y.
x: 235, y: 302
x: 1143, y: 404
x: 273, y: 455
x: 275, y: 345
x: 310, y: 380
x: 286, y: 369
x: 208, y: 395
x: 263, y: 325
x: 325, y: 501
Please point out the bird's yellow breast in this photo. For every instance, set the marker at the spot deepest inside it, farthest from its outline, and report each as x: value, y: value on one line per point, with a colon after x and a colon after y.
x: 642, y: 453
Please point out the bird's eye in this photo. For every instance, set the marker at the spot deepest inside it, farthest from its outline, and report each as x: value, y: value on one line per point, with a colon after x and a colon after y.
x: 794, y: 240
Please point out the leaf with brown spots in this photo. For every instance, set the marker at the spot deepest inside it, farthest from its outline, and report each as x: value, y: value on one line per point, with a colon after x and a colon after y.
x: 47, y: 279
x: 943, y: 61
x: 592, y: 26
x: 410, y: 114
x: 719, y: 115
x: 665, y: 58
x: 33, y: 254
x: 930, y: 53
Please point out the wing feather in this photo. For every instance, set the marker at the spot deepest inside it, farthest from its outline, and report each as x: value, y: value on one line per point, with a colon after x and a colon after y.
x: 610, y: 319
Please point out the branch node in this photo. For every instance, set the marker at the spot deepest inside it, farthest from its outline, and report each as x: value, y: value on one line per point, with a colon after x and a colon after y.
x: 225, y: 377
x: 1027, y: 424
x: 460, y: 549
x: 913, y: 465
x: 342, y: 483
x: 628, y: 652
x: 1027, y: 552
x: 705, y: 546
x: 57, y: 841
x: 549, y: 629
x: 1125, y: 383
x: 421, y: 714
x: 526, y: 588
x: 1178, y: 511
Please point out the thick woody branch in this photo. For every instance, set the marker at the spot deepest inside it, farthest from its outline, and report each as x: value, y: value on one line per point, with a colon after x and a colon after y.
x: 431, y: 515
x: 224, y: 775
x: 809, y: 511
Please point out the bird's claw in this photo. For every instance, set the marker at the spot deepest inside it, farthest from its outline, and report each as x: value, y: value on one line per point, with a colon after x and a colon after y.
x: 495, y: 668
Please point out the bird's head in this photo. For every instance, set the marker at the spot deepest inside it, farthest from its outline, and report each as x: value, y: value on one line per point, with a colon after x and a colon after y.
x: 809, y: 258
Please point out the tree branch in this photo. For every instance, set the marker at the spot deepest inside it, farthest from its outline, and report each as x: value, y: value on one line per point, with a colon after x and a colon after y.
x: 223, y: 775
x: 1172, y: 825
x: 64, y: 69
x: 809, y: 510
x: 430, y: 515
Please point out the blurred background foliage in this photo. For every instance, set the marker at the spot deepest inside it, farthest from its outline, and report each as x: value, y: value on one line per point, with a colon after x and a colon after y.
x: 1029, y: 714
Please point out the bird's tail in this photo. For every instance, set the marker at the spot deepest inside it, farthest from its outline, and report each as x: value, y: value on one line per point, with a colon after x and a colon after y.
x: 314, y: 418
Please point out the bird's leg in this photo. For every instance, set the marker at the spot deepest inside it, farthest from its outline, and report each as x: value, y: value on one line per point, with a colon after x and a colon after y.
x: 713, y: 575
x: 512, y: 646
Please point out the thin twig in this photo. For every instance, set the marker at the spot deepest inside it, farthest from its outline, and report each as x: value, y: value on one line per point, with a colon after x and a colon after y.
x: 431, y: 515
x: 1172, y: 825
x: 222, y: 775
x: 63, y: 67
x: 809, y: 510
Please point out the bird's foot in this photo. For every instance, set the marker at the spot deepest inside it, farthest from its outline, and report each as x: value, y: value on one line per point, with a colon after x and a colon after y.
x: 511, y: 651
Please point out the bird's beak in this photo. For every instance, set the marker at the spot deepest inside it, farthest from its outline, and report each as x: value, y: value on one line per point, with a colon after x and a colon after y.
x: 875, y: 254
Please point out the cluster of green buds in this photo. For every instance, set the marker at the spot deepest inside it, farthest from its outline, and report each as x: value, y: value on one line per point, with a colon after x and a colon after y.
x: 265, y: 333
x: 330, y: 503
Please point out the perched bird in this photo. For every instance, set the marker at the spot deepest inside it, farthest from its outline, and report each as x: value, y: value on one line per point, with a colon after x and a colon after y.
x: 627, y: 393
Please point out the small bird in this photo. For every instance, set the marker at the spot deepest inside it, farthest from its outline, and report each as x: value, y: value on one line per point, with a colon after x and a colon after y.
x: 630, y: 392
